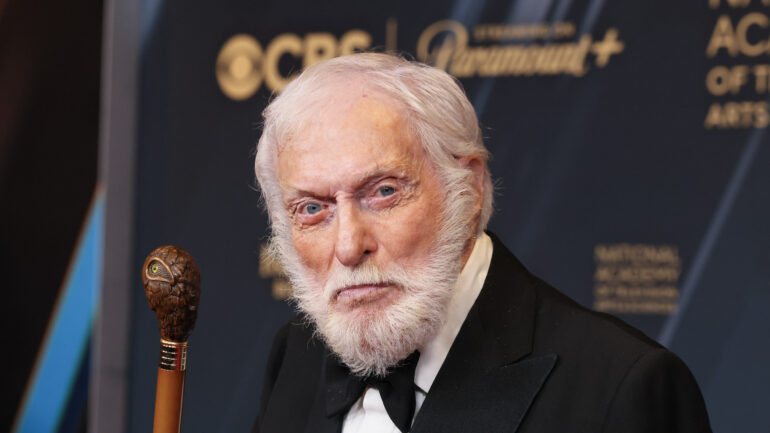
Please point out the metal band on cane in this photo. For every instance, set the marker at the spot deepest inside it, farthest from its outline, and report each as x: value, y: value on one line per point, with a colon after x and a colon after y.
x: 173, y: 355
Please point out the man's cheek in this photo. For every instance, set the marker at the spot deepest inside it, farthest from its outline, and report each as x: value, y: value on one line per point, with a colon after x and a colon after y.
x: 305, y: 250
x: 415, y: 233
x: 315, y: 250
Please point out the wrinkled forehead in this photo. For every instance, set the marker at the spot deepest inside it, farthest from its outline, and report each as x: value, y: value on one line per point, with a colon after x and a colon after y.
x: 371, y: 118
x: 347, y: 145
x: 333, y: 98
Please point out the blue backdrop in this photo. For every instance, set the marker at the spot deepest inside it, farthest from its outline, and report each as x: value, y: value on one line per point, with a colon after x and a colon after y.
x: 629, y: 147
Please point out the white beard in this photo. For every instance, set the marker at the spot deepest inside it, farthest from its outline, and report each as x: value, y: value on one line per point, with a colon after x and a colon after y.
x: 371, y: 342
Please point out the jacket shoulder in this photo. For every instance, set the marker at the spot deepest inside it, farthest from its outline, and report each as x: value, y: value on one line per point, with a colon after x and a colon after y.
x: 568, y: 324
x: 291, y: 376
x: 625, y: 379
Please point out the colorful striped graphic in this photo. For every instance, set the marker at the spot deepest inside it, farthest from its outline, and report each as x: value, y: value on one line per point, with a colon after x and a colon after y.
x: 65, y: 346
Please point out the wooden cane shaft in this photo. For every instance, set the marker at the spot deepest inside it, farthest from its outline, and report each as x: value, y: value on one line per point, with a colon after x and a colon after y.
x: 168, y: 401
x: 170, y: 391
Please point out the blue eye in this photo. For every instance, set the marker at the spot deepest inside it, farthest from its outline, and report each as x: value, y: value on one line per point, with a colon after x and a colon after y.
x: 313, y: 208
x: 386, y: 191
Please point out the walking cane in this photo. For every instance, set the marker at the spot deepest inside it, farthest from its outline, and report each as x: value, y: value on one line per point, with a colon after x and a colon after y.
x: 172, y: 286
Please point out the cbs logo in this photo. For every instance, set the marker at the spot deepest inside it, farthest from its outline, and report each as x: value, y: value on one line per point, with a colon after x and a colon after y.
x: 242, y: 65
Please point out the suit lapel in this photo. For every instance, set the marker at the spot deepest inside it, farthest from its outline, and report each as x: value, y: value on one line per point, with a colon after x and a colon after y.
x: 487, y: 382
x: 318, y: 421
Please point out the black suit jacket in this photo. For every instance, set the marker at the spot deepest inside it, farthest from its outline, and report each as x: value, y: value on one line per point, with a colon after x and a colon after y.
x: 527, y: 359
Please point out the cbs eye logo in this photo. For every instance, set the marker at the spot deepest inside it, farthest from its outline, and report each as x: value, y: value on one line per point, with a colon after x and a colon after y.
x: 242, y: 65
x: 239, y: 67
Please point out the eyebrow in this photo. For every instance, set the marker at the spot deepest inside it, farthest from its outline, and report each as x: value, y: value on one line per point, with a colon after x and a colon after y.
x: 380, y: 172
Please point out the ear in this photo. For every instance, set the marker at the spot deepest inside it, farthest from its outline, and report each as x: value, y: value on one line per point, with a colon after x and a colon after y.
x: 476, y: 164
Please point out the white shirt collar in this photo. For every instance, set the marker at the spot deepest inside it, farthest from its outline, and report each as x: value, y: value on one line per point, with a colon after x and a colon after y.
x: 467, y: 289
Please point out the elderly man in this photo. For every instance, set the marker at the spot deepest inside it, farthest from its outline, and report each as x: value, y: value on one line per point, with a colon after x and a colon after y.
x: 412, y: 317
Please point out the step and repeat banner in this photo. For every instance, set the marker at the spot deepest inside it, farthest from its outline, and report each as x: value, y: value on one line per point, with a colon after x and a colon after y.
x: 630, y: 153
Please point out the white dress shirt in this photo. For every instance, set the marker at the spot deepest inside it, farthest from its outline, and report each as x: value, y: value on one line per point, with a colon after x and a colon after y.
x: 368, y: 414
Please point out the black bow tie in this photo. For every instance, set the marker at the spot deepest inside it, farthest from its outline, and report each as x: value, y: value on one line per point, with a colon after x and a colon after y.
x: 396, y: 389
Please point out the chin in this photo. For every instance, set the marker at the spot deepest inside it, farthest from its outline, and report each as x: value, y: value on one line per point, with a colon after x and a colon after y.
x: 372, y: 338
x: 372, y: 333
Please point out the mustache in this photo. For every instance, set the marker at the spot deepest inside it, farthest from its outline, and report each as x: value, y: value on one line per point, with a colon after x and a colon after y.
x: 366, y: 274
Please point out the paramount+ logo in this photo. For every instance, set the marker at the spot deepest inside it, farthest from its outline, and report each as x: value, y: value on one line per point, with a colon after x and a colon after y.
x: 243, y: 65
x: 515, y: 50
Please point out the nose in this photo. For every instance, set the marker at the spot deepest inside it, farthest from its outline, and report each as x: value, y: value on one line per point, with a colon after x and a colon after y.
x: 355, y: 241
